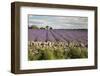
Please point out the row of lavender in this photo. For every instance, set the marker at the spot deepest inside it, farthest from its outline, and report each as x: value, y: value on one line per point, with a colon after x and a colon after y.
x: 58, y: 35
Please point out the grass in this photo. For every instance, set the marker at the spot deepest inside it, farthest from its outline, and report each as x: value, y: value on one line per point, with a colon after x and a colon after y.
x: 56, y: 52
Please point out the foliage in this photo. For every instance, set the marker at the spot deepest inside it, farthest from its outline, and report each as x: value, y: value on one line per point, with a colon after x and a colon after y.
x: 36, y: 27
x: 42, y: 28
x: 56, y: 52
x: 33, y: 27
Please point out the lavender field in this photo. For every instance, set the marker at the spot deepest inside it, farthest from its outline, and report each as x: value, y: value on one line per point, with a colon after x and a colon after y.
x: 50, y: 44
x: 52, y: 37
x: 58, y: 35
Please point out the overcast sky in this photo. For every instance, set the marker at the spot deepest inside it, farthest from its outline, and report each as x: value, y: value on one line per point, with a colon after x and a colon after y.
x: 58, y: 22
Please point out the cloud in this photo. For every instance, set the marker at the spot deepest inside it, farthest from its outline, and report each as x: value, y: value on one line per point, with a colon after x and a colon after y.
x: 59, y: 22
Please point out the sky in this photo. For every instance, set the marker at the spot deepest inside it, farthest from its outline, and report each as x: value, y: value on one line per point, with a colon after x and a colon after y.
x: 58, y: 22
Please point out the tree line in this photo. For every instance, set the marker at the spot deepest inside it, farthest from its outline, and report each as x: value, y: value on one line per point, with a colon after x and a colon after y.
x: 36, y: 27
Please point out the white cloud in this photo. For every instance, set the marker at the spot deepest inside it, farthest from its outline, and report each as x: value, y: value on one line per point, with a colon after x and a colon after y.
x: 59, y: 22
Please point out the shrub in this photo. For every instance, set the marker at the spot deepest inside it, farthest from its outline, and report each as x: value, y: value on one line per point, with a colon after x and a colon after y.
x: 67, y: 53
x: 59, y: 53
x: 33, y: 56
x: 84, y: 53
x: 78, y: 52
x: 47, y: 54
x: 75, y: 52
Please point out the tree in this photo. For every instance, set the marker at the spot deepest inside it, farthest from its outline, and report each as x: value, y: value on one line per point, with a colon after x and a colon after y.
x: 34, y: 27
x: 42, y: 28
x: 47, y: 27
x: 50, y: 27
x: 29, y: 27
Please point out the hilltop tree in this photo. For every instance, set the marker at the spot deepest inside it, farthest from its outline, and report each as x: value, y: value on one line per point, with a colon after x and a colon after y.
x: 42, y: 28
x: 47, y: 27
x: 33, y: 27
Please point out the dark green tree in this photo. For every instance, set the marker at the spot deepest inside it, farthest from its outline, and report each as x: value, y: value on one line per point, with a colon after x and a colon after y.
x: 34, y: 27
x: 47, y: 27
